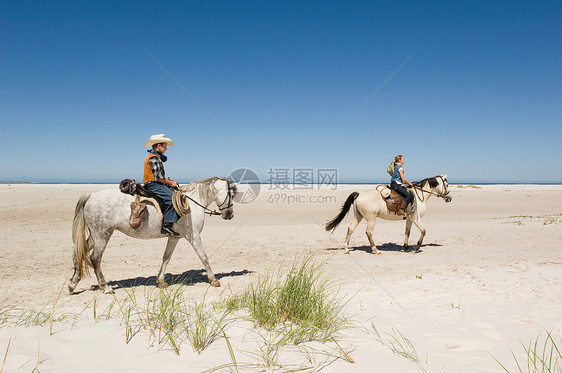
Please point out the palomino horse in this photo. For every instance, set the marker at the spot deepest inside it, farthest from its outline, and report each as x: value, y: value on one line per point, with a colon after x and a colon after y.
x: 98, y: 214
x: 370, y: 205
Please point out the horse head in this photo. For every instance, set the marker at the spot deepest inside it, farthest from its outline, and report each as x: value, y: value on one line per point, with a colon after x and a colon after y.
x: 224, y: 197
x: 444, y: 186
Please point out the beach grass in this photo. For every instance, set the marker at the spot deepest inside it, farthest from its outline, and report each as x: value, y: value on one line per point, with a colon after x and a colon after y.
x: 6, y: 355
x: 469, y: 186
x: 554, y: 219
x: 301, y: 302
x: 204, y: 325
x: 542, y: 355
x: 169, y: 318
x: 288, y: 306
x: 399, y: 344
x: 12, y: 316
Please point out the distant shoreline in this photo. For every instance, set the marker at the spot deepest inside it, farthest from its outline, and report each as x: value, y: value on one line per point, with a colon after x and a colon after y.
x: 291, y: 184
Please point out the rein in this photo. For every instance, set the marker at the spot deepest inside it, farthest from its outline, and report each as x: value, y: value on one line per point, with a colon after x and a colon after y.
x: 208, y: 210
x: 416, y: 188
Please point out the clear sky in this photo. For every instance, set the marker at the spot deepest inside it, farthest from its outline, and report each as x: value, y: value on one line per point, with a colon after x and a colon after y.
x: 472, y: 88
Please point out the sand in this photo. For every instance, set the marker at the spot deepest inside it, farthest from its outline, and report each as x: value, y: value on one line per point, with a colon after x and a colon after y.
x: 488, y: 278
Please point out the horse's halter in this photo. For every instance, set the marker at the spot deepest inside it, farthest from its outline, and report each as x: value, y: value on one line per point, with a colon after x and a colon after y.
x: 228, y: 196
x: 445, y: 187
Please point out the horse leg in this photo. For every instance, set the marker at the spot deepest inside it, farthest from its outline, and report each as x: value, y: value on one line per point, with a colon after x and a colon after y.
x: 356, y: 220
x: 99, y: 240
x: 407, y: 234
x: 418, y: 224
x: 170, y: 247
x: 198, y: 247
x: 74, y: 280
x: 369, y: 232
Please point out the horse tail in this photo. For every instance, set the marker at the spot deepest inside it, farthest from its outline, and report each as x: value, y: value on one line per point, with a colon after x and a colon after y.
x: 80, y: 234
x: 333, y: 224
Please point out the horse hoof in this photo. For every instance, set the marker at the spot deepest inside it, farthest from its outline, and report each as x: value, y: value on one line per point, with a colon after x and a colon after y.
x: 378, y: 252
x: 163, y: 285
x: 215, y: 283
x: 71, y: 287
x: 108, y: 290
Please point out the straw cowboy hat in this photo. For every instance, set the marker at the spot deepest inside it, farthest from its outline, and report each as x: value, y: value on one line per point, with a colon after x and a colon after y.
x: 157, y: 139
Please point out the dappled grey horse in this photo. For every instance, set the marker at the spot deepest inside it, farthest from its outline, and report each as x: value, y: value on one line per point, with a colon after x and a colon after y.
x: 369, y: 204
x: 99, y: 214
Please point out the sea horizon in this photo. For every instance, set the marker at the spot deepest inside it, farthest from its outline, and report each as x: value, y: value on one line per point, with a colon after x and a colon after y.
x: 85, y: 182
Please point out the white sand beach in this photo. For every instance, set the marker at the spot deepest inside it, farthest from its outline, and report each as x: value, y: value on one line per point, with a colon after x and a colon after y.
x: 488, y: 279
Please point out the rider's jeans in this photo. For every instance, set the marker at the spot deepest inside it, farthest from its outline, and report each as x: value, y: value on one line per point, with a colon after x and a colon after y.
x: 169, y: 215
x: 402, y: 191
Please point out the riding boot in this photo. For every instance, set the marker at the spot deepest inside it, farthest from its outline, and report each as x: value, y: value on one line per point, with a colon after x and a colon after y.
x: 167, y: 230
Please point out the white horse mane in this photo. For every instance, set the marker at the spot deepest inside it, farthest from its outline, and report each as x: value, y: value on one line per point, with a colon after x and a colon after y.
x: 205, y: 188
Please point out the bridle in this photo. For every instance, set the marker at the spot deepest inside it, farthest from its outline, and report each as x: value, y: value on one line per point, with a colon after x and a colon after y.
x: 215, y: 212
x: 228, y: 196
x: 441, y: 195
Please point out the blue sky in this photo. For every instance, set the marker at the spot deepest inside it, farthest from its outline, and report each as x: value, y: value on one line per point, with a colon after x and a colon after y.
x: 473, y: 89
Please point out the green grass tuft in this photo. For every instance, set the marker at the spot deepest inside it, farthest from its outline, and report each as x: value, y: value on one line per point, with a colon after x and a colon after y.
x: 542, y: 356
x: 303, y: 303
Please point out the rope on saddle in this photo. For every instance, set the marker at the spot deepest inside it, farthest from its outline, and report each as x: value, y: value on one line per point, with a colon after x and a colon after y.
x: 181, y: 204
x: 154, y: 203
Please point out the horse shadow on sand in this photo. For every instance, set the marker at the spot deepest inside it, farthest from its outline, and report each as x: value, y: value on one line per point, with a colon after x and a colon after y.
x: 190, y: 277
x: 389, y: 246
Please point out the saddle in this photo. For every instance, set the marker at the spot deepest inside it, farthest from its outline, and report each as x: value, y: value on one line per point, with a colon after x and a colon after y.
x: 394, y: 201
x: 138, y: 208
x: 143, y: 192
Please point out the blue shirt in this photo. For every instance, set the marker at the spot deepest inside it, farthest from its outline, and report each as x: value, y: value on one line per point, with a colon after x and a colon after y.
x: 397, y: 178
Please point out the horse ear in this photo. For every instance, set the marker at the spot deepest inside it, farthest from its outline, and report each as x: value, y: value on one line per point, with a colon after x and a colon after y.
x: 445, y: 176
x: 234, y: 186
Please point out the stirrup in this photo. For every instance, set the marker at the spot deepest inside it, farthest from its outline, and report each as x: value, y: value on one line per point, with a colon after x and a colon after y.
x: 168, y: 231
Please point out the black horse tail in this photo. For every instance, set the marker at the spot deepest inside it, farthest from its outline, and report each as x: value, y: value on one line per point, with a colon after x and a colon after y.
x: 333, y: 224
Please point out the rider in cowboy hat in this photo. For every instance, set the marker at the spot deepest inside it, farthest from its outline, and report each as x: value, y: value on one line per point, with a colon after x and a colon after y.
x: 154, y: 179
